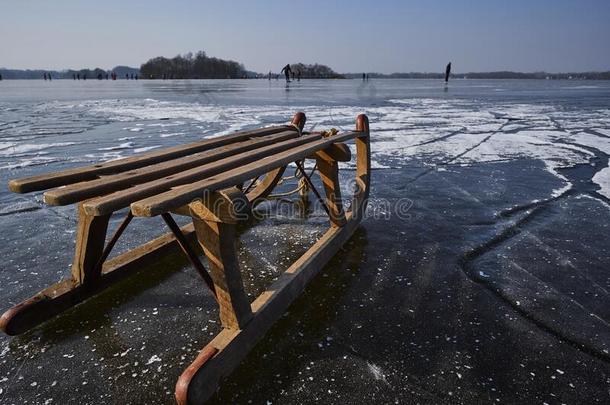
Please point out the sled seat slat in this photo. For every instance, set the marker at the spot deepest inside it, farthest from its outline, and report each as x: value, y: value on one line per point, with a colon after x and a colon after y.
x: 92, y: 172
x: 123, y: 198
x: 166, y: 201
x: 105, y: 184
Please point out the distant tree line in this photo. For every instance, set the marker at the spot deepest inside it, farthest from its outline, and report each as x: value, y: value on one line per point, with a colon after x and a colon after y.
x: 489, y: 75
x: 200, y: 66
x: 189, y: 66
x: 120, y: 71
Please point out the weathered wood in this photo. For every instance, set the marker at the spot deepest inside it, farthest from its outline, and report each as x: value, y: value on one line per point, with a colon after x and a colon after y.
x: 164, y: 202
x: 190, y: 253
x: 229, y: 205
x: 56, y: 179
x: 64, y: 295
x: 215, y: 228
x: 270, y: 180
x: 266, y: 185
x: 363, y: 167
x: 121, y: 199
x: 329, y: 173
x: 337, y: 151
x: 90, y: 240
x: 107, y: 184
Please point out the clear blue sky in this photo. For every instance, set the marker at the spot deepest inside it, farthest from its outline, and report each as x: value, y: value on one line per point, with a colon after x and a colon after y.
x: 350, y: 36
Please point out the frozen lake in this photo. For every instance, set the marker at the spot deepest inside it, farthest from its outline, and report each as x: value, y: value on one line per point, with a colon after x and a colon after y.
x: 492, y: 288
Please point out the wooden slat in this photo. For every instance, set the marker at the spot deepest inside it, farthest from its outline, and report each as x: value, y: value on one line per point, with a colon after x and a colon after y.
x: 56, y: 179
x: 121, y: 199
x: 107, y: 184
x: 164, y: 202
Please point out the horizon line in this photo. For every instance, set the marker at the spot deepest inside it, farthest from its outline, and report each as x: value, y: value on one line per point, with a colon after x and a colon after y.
x: 342, y: 73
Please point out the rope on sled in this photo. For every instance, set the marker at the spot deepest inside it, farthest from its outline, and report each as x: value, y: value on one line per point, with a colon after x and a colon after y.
x: 303, y: 186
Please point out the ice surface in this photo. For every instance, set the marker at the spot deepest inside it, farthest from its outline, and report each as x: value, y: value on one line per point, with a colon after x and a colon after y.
x: 504, y: 245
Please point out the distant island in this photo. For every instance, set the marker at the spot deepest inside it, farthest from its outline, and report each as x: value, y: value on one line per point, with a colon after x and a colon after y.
x: 189, y: 66
x: 202, y: 66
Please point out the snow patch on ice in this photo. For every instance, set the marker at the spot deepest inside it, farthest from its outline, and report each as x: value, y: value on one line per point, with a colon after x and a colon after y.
x: 153, y: 359
x: 146, y: 148
x: 377, y: 372
x: 124, y: 145
x: 602, y: 178
x: 13, y: 148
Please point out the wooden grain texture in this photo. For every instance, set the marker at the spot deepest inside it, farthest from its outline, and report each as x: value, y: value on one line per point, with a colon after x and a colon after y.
x: 363, y: 167
x: 328, y: 168
x: 215, y: 219
x: 229, y: 205
x: 266, y: 185
x: 164, y: 202
x: 60, y: 178
x: 337, y: 151
x: 107, y: 184
x: 121, y: 199
x: 90, y: 240
x: 218, y: 241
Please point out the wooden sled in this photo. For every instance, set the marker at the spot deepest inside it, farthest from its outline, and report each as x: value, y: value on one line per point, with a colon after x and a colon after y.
x: 207, y: 181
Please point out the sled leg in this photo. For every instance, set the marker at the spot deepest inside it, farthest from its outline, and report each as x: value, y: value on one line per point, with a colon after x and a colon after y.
x: 329, y: 173
x: 215, y: 221
x: 90, y: 240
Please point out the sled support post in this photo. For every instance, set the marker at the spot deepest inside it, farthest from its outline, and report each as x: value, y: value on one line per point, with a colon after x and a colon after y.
x: 329, y: 173
x: 215, y: 218
x: 363, y: 167
x: 90, y: 240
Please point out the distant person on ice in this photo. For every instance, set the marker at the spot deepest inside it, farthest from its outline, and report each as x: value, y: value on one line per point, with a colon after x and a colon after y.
x: 447, y: 72
x: 287, y: 71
